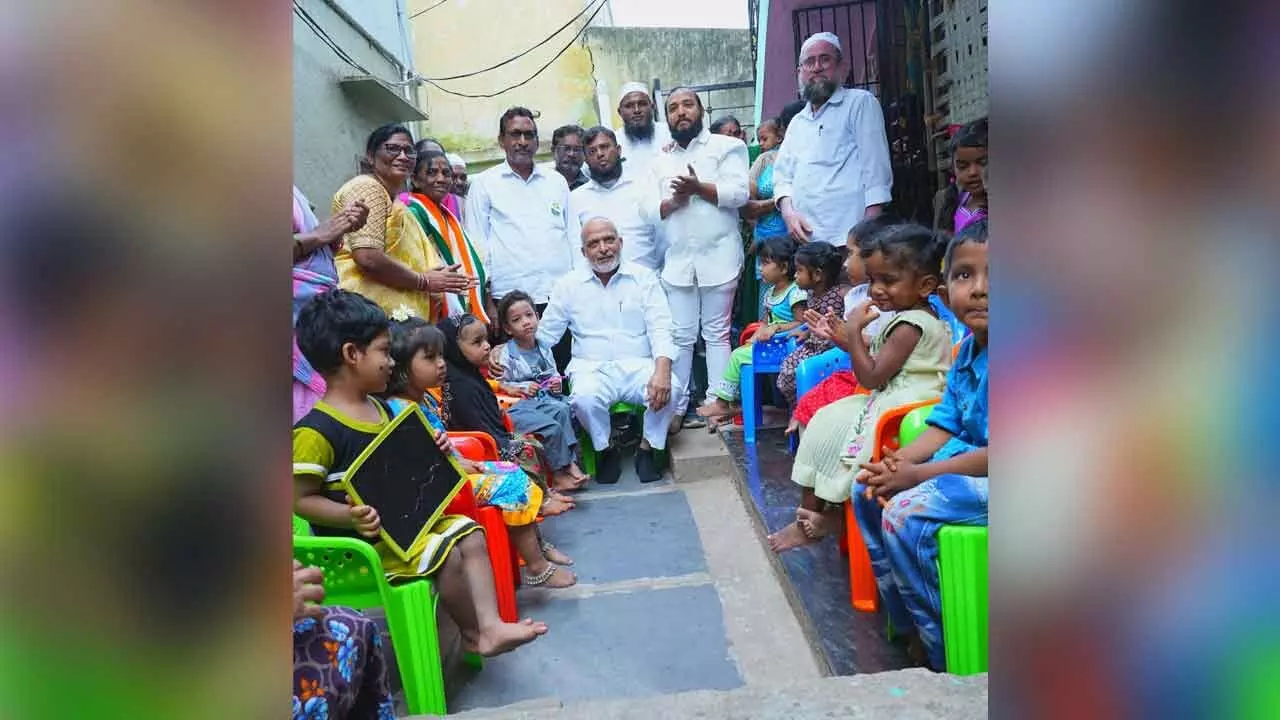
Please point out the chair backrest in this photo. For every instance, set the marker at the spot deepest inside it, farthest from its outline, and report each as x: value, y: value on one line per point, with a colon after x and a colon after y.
x: 913, y: 425
x: 814, y: 370
x: 352, y: 570
x: 890, y: 424
x: 469, y: 447
x: 301, y: 527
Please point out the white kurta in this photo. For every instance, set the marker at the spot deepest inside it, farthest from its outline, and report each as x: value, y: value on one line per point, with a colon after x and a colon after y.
x: 833, y: 164
x: 618, y: 330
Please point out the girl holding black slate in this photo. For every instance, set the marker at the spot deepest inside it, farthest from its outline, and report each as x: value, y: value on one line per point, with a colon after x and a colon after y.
x: 345, y: 338
x: 418, y: 351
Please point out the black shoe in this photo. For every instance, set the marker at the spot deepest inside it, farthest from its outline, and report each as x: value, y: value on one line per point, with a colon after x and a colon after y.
x: 608, y: 466
x: 647, y: 467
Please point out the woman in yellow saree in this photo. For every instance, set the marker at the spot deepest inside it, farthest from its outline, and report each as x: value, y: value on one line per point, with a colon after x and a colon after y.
x: 432, y: 182
x: 391, y: 260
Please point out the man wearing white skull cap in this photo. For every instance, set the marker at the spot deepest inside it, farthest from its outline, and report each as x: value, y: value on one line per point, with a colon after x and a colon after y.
x: 640, y: 137
x: 833, y: 166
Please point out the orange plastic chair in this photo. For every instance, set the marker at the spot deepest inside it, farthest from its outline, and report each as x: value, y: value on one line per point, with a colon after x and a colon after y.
x: 864, y: 596
x: 478, y: 446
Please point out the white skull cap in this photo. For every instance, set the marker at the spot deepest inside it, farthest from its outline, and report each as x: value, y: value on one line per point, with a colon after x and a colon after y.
x: 456, y: 160
x: 821, y: 37
x: 633, y: 87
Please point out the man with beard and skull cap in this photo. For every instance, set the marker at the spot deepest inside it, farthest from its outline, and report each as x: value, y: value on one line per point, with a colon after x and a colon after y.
x: 640, y: 138
x: 616, y: 192
x: 618, y: 316
x: 833, y: 166
x: 699, y: 181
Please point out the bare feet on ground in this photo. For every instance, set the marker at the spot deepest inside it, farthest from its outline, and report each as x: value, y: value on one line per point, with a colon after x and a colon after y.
x: 577, y: 473
x: 503, y: 637
x: 791, y: 536
x: 818, y: 525
x: 564, y: 480
x: 555, y: 506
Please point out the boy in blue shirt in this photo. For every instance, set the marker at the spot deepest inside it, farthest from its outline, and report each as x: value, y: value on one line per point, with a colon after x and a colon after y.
x: 941, y: 477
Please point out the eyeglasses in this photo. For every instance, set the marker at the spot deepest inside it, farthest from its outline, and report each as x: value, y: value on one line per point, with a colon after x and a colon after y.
x: 395, y: 150
x: 812, y: 62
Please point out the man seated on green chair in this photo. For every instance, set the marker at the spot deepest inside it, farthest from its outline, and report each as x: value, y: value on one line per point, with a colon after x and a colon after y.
x: 618, y: 316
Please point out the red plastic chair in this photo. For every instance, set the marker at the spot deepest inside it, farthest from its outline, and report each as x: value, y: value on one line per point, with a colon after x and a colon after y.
x: 479, y: 447
x: 864, y: 595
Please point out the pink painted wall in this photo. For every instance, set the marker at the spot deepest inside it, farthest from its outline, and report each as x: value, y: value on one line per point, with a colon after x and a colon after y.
x: 781, y: 51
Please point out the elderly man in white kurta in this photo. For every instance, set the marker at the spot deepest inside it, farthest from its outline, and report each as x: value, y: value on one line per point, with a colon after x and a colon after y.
x: 833, y: 167
x: 701, y: 180
x: 622, y: 351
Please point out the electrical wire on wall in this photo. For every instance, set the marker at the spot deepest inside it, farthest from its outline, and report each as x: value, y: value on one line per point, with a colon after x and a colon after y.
x: 427, y: 9
x: 519, y: 55
x: 602, y: 4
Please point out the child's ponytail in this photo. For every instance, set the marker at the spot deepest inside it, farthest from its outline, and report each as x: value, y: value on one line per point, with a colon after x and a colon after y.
x: 824, y: 258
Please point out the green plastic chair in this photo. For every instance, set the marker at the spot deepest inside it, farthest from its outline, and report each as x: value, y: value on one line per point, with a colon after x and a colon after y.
x: 353, y: 577
x: 589, y: 451
x: 962, y: 572
x: 913, y: 425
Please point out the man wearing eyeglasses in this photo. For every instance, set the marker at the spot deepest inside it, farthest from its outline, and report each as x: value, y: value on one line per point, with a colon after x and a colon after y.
x: 833, y: 166
x: 518, y: 212
x: 570, y: 153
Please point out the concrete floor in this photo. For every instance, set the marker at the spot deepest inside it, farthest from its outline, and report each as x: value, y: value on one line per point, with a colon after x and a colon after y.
x: 681, y: 611
x: 674, y: 594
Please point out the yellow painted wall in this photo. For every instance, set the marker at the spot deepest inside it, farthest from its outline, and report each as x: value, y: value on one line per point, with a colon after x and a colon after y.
x: 462, y: 36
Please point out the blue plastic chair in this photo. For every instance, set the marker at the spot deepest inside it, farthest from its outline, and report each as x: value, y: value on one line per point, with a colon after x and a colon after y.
x: 766, y: 357
x: 812, y: 371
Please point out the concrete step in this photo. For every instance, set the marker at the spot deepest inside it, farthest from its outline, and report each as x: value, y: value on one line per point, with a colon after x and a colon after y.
x: 903, y: 694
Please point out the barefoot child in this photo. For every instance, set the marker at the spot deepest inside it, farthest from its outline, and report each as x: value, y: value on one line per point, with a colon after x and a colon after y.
x: 344, y: 337
x: 820, y: 273
x: 418, y: 351
x: 470, y: 403
x: 906, y: 362
x: 941, y: 477
x: 784, y: 302
x: 530, y: 373
x: 842, y: 383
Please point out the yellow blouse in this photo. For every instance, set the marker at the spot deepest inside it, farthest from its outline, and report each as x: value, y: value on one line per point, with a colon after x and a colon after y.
x: 391, y: 230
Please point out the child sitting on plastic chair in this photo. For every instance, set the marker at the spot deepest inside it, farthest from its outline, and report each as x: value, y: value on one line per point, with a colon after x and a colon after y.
x: 907, y: 362
x: 842, y: 383
x: 941, y: 478
x: 418, y: 351
x: 784, y: 303
x: 344, y: 336
x: 529, y: 372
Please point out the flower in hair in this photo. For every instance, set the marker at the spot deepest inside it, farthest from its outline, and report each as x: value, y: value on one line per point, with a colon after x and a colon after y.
x: 402, y: 313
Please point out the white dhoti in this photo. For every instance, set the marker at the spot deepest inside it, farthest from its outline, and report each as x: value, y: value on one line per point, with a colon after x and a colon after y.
x: 597, y: 385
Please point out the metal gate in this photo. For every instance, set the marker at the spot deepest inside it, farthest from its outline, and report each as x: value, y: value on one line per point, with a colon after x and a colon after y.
x: 887, y: 48
x: 713, y: 104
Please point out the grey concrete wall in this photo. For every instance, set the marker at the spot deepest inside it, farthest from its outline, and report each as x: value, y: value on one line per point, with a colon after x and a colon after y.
x: 676, y: 56
x: 329, y: 127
